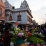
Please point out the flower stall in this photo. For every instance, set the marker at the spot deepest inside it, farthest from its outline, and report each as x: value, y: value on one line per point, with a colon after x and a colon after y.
x: 19, y: 37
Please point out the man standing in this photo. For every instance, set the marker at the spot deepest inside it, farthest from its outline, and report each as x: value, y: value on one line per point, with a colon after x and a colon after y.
x: 6, y: 35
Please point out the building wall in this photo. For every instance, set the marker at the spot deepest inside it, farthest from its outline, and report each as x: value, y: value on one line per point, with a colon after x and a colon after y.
x: 29, y: 18
x: 2, y: 6
x: 23, y: 17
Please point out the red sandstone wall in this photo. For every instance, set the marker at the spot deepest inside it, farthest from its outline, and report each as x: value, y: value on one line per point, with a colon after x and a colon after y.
x: 2, y: 6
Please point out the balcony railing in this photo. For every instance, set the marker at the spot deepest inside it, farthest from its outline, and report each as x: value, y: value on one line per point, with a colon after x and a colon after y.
x: 7, y: 13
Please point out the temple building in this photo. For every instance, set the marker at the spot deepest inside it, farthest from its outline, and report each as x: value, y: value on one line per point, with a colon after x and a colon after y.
x: 22, y: 15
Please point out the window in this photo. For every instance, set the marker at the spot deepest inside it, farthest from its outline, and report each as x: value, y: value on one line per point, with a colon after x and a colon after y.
x: 0, y: 11
x: 10, y: 17
x: 19, y: 17
x: 7, y: 18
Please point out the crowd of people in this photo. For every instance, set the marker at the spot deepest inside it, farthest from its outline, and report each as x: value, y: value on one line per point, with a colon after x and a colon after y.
x: 6, y: 36
x: 42, y: 29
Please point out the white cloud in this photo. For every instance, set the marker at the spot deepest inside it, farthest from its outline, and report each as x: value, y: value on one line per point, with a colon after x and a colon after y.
x: 16, y: 4
x: 39, y: 20
x: 39, y: 15
x: 33, y: 4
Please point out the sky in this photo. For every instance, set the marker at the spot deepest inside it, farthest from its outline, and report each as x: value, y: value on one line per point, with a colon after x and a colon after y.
x: 38, y: 8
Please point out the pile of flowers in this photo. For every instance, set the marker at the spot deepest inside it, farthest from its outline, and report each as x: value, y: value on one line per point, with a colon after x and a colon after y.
x: 19, y: 34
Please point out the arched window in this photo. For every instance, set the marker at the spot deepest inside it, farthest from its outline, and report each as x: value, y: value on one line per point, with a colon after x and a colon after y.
x: 19, y: 17
x: 10, y: 18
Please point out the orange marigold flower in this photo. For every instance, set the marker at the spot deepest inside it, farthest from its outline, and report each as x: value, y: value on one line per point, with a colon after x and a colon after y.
x: 29, y: 34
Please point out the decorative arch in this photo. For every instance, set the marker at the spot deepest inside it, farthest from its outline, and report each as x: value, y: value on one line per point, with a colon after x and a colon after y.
x: 19, y: 15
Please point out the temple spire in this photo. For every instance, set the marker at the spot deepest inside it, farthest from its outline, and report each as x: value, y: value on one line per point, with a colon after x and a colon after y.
x: 24, y: 0
x: 24, y: 4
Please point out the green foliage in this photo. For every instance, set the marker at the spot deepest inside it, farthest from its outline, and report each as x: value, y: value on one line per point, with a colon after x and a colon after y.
x: 34, y: 40
x: 13, y: 39
x: 40, y: 35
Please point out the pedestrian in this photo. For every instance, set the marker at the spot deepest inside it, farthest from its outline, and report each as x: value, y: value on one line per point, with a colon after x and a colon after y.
x: 6, y: 35
x: 44, y: 32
